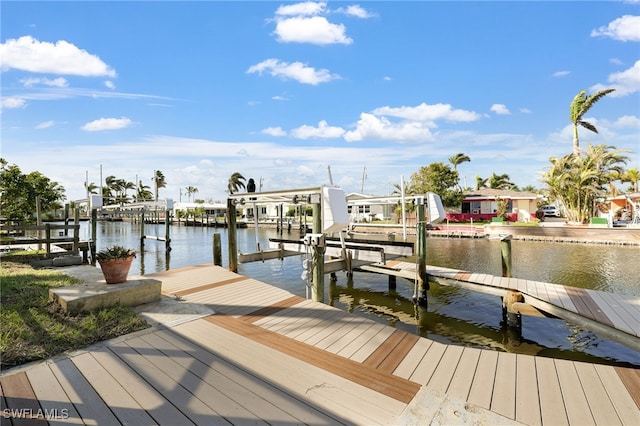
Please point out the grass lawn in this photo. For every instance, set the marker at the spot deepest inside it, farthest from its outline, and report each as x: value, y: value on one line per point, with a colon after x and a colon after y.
x: 32, y: 328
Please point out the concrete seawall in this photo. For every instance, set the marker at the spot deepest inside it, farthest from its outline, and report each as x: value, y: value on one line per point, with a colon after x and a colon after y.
x: 555, y: 233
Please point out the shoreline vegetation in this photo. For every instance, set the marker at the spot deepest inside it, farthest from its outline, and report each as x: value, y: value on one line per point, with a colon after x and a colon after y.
x: 33, y: 329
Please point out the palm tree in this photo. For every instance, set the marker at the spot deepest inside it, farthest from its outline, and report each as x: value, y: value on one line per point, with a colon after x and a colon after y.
x: 235, y: 183
x: 458, y: 159
x: 111, y: 189
x: 480, y: 182
x: 500, y: 182
x: 159, y: 180
x: 190, y: 191
x: 580, y: 105
x: 126, y: 186
x: 143, y: 192
x: 578, y: 181
x: 632, y: 176
x: 92, y: 188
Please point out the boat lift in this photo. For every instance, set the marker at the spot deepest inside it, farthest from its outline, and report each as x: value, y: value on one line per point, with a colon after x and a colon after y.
x: 331, y: 217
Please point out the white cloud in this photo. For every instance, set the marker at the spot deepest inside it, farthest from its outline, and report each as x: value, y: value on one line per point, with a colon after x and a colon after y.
x: 500, y: 109
x: 107, y: 124
x: 304, y: 171
x: 56, y: 82
x: 45, y: 125
x: 428, y: 114
x: 615, y: 61
x: 525, y: 110
x: 625, y: 28
x: 296, y: 71
x: 625, y: 82
x: 355, y: 10
x: 13, y: 103
x: 314, y: 30
x: 29, y: 54
x: 279, y: 98
x: 379, y: 128
x: 274, y: 131
x: 561, y: 73
x: 322, y: 131
x: 627, y: 121
x: 109, y: 84
x: 302, y: 9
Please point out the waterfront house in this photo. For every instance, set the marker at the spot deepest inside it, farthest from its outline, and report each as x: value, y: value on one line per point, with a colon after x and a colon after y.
x: 625, y: 207
x: 367, y: 208
x: 482, y: 205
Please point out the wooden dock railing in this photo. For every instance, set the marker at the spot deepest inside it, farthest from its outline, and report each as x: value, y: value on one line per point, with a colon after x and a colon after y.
x: 49, y: 236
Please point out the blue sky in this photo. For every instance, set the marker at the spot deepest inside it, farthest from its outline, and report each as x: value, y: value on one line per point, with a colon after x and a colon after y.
x: 280, y: 91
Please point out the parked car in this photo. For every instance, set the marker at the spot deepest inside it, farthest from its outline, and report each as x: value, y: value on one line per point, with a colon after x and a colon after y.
x: 550, y: 211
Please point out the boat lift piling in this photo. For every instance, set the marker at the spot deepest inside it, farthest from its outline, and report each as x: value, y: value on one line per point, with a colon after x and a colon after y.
x: 167, y: 233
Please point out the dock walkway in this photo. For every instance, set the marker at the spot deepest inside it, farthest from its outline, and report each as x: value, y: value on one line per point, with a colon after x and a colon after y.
x: 613, y: 315
x: 240, y: 351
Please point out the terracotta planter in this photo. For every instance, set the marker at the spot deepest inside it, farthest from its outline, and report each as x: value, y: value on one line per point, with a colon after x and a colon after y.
x: 115, y: 271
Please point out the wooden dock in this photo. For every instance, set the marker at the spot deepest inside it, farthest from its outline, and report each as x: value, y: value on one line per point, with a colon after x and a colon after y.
x: 267, y: 356
x: 614, y: 316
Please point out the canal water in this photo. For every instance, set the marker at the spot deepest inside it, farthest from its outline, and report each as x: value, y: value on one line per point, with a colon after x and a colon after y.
x: 453, y: 316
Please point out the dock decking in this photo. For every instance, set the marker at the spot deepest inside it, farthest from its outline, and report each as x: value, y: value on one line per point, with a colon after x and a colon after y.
x: 612, y: 315
x: 267, y: 356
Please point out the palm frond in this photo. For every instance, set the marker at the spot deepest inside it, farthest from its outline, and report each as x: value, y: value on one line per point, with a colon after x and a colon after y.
x: 588, y: 126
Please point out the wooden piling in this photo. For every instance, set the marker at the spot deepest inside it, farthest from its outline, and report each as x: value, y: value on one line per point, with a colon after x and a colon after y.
x: 505, y: 249
x: 167, y: 232
x: 141, y: 231
x: 512, y: 318
x: 231, y: 236
x: 318, y: 257
x: 217, y: 250
x: 421, y: 254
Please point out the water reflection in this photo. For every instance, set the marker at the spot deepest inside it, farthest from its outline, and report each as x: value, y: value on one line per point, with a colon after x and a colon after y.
x: 454, y: 315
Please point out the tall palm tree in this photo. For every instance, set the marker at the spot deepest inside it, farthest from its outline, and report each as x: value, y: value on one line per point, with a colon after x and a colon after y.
x: 580, y: 105
x: 143, y: 192
x: 159, y: 180
x: 235, y: 183
x: 458, y: 159
x: 190, y: 191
